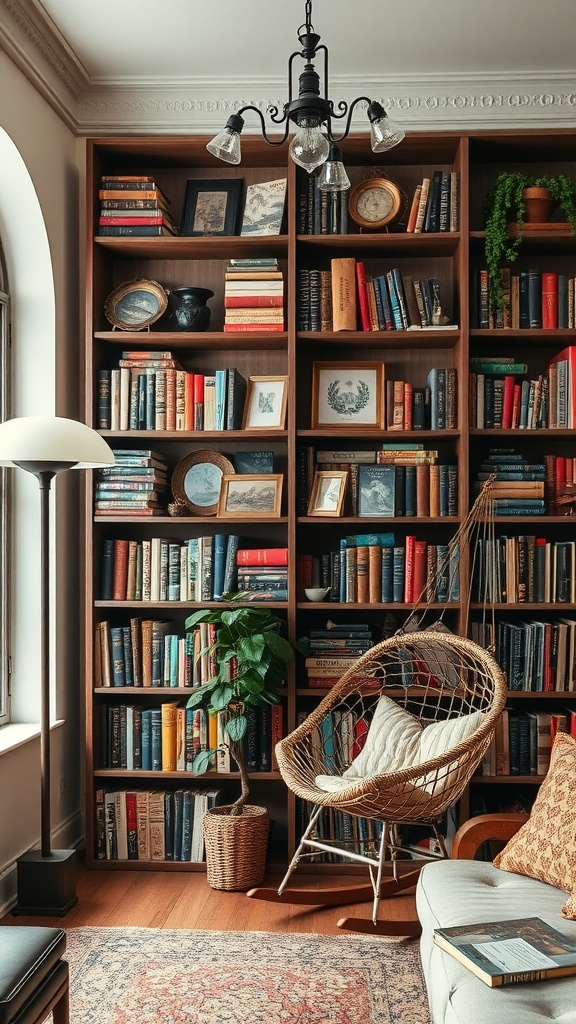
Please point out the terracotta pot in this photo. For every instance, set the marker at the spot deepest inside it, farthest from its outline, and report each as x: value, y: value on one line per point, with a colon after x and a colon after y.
x: 539, y: 205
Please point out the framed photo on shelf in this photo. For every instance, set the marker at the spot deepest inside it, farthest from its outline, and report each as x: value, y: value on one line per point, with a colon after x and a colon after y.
x: 265, y: 406
x: 264, y: 208
x: 211, y: 206
x: 328, y: 490
x: 257, y: 495
x: 134, y: 305
x: 196, y: 481
x: 348, y: 394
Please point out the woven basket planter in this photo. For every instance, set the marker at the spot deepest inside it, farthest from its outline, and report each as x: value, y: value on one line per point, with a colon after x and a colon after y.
x: 236, y: 847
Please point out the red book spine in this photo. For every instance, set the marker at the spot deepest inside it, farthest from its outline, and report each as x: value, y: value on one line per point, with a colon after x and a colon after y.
x: 549, y: 301
x: 303, y: 574
x: 516, y: 406
x: 360, y: 734
x: 120, y: 576
x: 559, y: 479
x: 189, y: 403
x: 232, y: 328
x: 198, y: 401
x: 508, y: 402
x: 262, y: 556
x: 407, y: 397
x: 363, y: 296
x: 131, y: 220
x: 409, y: 570
x: 252, y: 301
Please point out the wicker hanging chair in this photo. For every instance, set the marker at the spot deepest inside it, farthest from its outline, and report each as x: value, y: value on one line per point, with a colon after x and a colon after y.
x: 394, y: 743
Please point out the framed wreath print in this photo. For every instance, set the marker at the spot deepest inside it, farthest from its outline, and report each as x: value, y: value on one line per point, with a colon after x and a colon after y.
x: 211, y: 206
x: 265, y: 406
x: 197, y: 479
x: 253, y: 496
x: 348, y: 394
x: 328, y: 489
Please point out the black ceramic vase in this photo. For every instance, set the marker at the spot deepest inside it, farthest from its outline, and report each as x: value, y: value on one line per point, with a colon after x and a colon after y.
x: 189, y: 311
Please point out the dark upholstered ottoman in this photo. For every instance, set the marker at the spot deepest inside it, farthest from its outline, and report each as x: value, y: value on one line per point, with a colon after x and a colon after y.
x: 33, y: 976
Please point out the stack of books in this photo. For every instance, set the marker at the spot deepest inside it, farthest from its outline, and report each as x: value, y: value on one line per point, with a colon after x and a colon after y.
x: 335, y: 649
x: 263, y: 573
x: 133, y: 204
x: 435, y: 202
x: 254, y: 295
x: 518, y: 487
x: 136, y: 485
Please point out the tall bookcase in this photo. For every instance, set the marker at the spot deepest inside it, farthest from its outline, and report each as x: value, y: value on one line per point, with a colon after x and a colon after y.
x: 450, y: 257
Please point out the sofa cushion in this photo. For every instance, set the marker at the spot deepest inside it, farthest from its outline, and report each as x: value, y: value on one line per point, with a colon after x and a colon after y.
x: 456, y: 995
x: 545, y: 847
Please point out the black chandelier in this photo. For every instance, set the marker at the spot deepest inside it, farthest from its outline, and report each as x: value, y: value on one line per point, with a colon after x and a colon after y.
x: 314, y: 143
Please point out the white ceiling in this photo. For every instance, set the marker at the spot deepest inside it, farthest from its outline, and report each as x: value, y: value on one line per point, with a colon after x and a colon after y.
x: 250, y: 38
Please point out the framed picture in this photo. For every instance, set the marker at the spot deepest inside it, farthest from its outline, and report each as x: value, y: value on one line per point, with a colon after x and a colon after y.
x: 377, y: 491
x: 211, y: 206
x: 348, y: 394
x: 197, y: 479
x: 328, y: 489
x: 135, y: 305
x: 265, y: 406
x: 256, y: 495
x: 264, y: 208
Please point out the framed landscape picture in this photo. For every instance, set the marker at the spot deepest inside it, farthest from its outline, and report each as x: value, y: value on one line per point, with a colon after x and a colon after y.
x: 348, y: 394
x: 197, y: 479
x: 328, y: 489
x: 265, y: 407
x: 251, y: 496
x: 211, y: 206
x: 264, y: 208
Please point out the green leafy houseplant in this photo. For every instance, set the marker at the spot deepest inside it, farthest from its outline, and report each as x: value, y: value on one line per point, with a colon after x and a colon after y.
x: 251, y: 659
x: 505, y: 202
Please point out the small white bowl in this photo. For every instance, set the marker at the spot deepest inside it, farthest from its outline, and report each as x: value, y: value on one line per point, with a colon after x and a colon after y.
x: 316, y: 593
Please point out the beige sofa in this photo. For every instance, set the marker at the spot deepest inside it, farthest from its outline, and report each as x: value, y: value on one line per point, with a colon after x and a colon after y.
x: 462, y: 891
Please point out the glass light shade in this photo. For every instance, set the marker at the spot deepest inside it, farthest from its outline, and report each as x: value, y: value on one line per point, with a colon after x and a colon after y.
x: 52, y: 439
x: 333, y: 177
x: 226, y: 146
x: 384, y: 134
x: 309, y: 147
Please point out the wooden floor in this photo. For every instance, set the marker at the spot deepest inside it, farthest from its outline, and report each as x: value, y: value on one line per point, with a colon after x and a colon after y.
x: 156, y: 899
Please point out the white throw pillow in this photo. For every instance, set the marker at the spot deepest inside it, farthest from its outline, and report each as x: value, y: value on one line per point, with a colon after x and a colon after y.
x: 396, y: 740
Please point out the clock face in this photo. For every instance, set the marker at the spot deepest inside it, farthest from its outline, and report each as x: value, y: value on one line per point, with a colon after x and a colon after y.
x: 374, y: 204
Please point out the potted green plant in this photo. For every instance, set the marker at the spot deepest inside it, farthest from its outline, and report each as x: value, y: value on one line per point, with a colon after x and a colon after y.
x: 506, y: 201
x: 250, y: 658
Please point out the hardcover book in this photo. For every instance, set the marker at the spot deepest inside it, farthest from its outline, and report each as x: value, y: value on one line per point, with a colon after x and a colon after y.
x: 264, y: 208
x: 504, y: 952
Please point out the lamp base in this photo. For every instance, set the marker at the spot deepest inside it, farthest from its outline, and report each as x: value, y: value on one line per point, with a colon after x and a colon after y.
x: 46, y: 885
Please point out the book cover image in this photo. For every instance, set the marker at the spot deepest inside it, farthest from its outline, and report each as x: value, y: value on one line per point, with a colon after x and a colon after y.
x: 504, y: 952
x: 376, y: 489
x: 264, y: 208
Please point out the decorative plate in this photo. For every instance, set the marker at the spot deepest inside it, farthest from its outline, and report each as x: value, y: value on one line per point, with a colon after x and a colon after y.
x: 196, y: 481
x: 135, y: 305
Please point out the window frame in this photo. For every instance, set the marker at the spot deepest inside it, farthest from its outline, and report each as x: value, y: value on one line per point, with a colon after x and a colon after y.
x: 5, y: 510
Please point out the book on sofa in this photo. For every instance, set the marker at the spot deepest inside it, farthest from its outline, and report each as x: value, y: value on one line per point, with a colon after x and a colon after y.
x: 503, y: 952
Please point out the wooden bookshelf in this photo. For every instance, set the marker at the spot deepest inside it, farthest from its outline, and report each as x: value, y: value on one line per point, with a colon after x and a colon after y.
x: 450, y: 257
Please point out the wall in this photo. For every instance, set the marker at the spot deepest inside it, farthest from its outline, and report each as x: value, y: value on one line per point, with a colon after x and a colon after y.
x: 46, y: 346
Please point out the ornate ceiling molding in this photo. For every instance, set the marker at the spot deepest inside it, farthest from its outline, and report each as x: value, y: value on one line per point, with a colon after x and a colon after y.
x: 197, y: 106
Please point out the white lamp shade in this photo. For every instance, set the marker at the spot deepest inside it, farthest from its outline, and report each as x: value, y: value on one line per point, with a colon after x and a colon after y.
x: 52, y: 439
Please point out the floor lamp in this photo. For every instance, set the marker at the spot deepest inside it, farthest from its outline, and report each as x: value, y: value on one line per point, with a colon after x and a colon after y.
x: 46, y: 446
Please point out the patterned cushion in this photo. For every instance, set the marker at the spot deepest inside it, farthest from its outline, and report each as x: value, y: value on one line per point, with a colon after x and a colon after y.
x: 545, y: 846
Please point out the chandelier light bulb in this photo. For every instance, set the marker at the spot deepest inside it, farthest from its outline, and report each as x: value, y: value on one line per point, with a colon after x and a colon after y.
x: 309, y: 148
x: 384, y: 134
x: 333, y: 177
x: 226, y: 146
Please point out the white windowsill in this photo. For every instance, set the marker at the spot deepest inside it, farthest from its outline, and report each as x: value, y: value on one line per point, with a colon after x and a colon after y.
x: 12, y: 736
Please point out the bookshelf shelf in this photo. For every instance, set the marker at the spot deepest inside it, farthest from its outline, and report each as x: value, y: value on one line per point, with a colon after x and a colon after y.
x: 453, y: 259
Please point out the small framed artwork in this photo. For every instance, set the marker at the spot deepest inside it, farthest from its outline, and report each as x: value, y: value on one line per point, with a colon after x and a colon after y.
x: 196, y: 481
x: 348, y: 394
x: 253, y: 496
x: 328, y: 489
x: 211, y: 206
x: 377, y: 491
x: 265, y: 406
x: 264, y: 208
x: 135, y: 305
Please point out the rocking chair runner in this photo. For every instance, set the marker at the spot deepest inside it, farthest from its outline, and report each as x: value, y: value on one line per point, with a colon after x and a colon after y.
x: 420, y: 751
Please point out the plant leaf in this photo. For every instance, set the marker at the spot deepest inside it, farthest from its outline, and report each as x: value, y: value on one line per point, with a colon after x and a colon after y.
x: 221, y: 697
x: 202, y: 762
x: 279, y: 646
x: 236, y: 727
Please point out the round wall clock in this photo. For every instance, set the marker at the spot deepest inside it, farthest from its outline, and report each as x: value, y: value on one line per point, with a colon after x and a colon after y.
x: 196, y: 481
x: 376, y: 202
x: 135, y: 305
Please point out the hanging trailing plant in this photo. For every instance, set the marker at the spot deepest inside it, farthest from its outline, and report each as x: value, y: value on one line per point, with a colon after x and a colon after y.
x: 505, y: 202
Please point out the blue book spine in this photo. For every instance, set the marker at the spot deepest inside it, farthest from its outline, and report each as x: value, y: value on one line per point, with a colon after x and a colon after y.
x: 156, y: 740
x: 230, y: 567
x: 381, y: 289
x: 128, y: 664
x: 394, y: 302
x: 174, y: 641
x: 219, y: 566
x: 147, y: 740
x: 178, y: 809
x: 187, y: 821
x: 150, y: 401
x: 410, y: 490
x: 141, y: 401
x: 398, y: 570
x: 387, y: 575
x: 443, y: 490
x: 220, y: 398
x: 117, y: 655
x: 385, y: 540
x: 194, y: 581
x: 342, y: 594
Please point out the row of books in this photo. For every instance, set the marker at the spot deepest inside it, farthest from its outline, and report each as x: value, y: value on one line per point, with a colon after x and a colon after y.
x: 321, y: 213
x: 522, y: 742
x: 149, y: 390
x: 536, y: 656
x: 347, y: 298
x: 531, y: 300
x: 152, y: 825
x: 133, y: 205
x: 525, y: 568
x: 433, y: 406
x: 501, y: 396
x: 384, y: 571
x: 168, y: 737
x: 253, y: 295
x: 137, y: 483
x: 332, y: 651
x: 435, y: 202
x: 531, y: 488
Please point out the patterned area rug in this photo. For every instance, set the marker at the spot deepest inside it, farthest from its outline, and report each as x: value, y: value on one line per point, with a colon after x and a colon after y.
x: 160, y: 976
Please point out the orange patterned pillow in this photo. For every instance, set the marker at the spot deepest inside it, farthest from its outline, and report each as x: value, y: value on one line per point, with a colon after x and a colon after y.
x: 545, y: 846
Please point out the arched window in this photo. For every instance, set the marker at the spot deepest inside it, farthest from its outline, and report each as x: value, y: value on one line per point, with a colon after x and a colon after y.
x: 4, y: 499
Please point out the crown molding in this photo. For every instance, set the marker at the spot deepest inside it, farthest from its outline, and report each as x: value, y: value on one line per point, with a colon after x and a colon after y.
x: 92, y: 106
